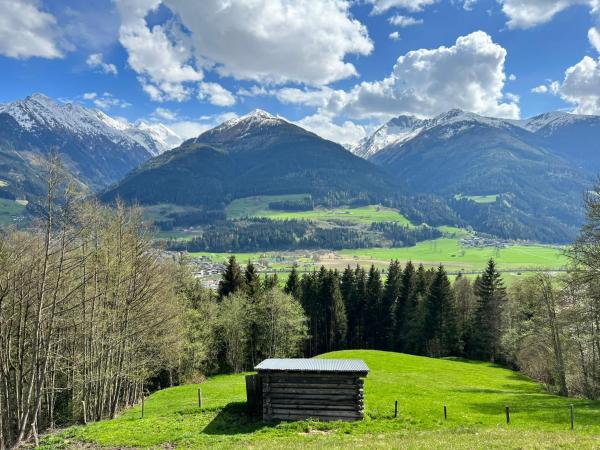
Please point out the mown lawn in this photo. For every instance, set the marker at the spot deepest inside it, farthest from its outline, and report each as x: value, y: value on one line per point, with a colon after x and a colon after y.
x: 475, y: 394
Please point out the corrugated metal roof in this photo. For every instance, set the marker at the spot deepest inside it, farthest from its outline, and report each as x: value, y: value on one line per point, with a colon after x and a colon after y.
x: 314, y: 365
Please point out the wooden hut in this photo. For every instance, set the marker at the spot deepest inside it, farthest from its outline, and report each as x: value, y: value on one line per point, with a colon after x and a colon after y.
x: 295, y: 389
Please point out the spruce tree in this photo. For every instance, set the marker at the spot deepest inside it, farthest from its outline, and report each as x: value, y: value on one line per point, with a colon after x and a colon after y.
x: 292, y: 285
x: 270, y: 282
x: 487, y: 326
x: 440, y: 317
x: 414, y: 335
x: 348, y: 288
x: 359, y: 306
x: 391, y: 306
x: 232, y: 279
x: 338, y: 318
x: 252, y: 280
x: 407, y: 305
x: 373, y: 331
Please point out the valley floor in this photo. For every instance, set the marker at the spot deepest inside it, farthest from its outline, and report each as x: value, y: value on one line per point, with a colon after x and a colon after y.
x: 475, y: 394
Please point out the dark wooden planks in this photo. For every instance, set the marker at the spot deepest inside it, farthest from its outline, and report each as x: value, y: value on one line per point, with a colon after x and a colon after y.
x: 296, y: 396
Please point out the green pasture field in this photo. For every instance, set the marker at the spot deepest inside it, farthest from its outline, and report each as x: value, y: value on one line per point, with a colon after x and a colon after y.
x: 11, y: 210
x: 259, y: 207
x: 254, y: 206
x: 474, y: 393
x: 483, y: 199
x: 453, y: 256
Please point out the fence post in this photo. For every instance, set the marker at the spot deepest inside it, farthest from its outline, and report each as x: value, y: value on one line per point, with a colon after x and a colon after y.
x: 572, y: 417
x: 200, y: 398
x: 507, y: 415
x: 445, y: 413
x: 143, y: 405
x: 396, y: 408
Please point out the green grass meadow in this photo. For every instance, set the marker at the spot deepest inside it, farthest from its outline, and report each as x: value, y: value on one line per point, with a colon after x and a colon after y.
x: 449, y: 252
x: 482, y: 199
x: 259, y: 207
x: 475, y: 394
x: 10, y: 211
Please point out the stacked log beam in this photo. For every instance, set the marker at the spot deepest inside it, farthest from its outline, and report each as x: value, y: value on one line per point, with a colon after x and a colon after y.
x: 293, y: 396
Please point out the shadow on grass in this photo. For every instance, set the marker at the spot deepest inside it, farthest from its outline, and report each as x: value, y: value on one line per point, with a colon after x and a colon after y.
x: 235, y: 419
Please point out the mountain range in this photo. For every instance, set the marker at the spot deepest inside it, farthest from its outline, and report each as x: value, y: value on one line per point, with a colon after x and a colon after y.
x: 511, y: 178
x: 257, y: 154
x: 538, y: 168
x: 96, y: 148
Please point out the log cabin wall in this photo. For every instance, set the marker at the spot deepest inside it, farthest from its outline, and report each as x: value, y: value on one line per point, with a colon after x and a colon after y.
x: 326, y: 394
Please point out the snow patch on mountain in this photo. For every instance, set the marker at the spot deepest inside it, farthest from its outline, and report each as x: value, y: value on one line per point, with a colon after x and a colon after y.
x: 38, y: 113
x: 552, y: 120
x: 403, y: 129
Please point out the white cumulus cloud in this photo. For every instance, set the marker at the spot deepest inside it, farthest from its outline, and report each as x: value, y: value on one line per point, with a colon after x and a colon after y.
x: 404, y: 21
x: 160, y: 55
x: 164, y: 114
x: 216, y: 94
x: 96, y: 61
x: 347, y: 133
x: 468, y: 75
x: 26, y: 31
x: 529, y: 13
x: 275, y: 41
x: 581, y: 86
x: 394, y: 36
x: 380, y: 6
x: 594, y: 38
x: 541, y: 89
x: 188, y: 129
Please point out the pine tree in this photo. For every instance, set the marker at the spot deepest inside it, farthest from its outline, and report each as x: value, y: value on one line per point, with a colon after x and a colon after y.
x: 373, y: 331
x: 487, y: 326
x: 270, y: 282
x: 414, y: 338
x: 359, y: 307
x: 440, y: 317
x: 252, y: 279
x: 292, y: 285
x: 407, y: 305
x: 232, y: 279
x: 337, y: 315
x: 391, y: 306
x: 348, y: 288
x: 313, y: 308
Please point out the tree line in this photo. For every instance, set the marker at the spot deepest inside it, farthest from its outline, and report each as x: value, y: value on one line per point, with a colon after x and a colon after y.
x: 262, y: 234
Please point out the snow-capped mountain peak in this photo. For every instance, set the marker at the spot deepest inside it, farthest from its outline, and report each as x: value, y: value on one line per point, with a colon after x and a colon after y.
x: 38, y: 113
x: 402, y: 129
x: 399, y: 129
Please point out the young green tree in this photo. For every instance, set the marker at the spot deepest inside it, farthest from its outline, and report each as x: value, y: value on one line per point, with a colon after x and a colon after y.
x: 283, y: 325
x: 235, y: 319
x: 466, y: 303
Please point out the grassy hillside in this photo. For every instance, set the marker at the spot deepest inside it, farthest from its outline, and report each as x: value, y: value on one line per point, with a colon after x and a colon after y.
x: 259, y: 207
x: 475, y: 394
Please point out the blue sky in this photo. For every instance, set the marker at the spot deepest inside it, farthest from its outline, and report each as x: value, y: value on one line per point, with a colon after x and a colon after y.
x: 336, y: 67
